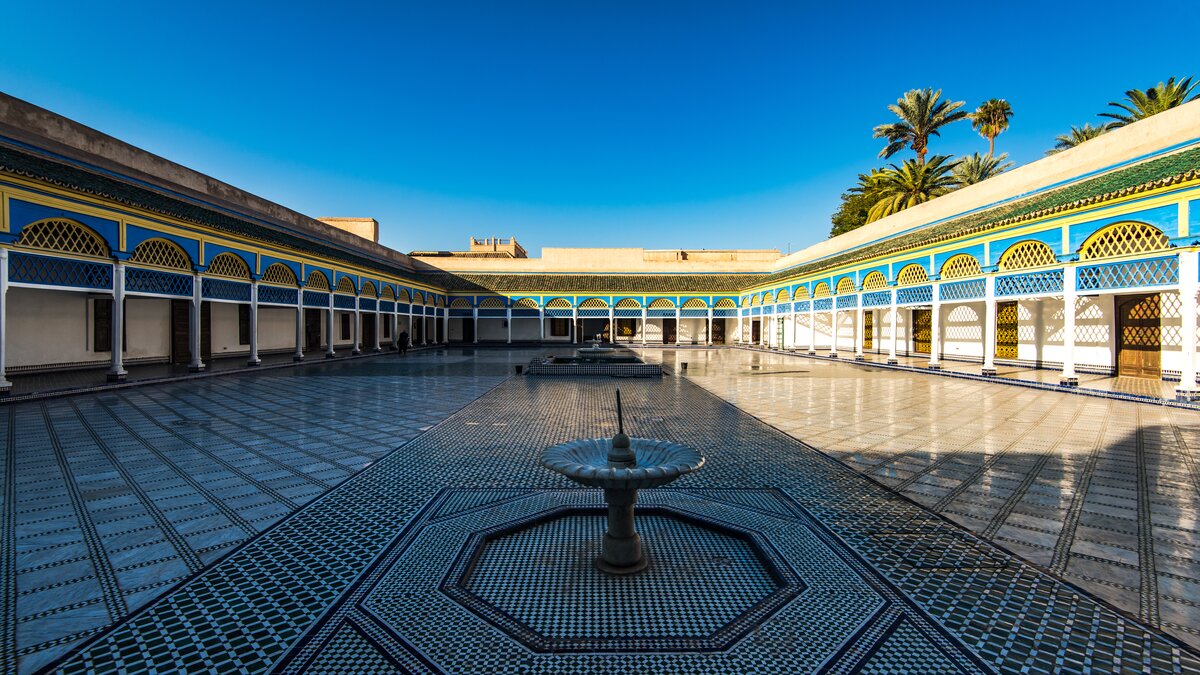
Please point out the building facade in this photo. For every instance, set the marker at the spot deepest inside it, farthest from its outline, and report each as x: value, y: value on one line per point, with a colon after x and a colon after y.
x: 1082, y: 262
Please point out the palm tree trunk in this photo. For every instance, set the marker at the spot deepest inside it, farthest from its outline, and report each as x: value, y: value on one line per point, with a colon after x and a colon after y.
x: 991, y: 145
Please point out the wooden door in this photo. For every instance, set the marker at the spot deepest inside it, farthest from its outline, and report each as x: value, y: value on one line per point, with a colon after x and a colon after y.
x: 669, y: 331
x: 181, y: 349
x: 1006, y: 330
x: 922, y: 336
x: 868, y: 329
x: 1139, y: 336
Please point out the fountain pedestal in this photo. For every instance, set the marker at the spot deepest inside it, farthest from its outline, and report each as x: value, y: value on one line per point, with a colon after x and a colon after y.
x: 621, y: 466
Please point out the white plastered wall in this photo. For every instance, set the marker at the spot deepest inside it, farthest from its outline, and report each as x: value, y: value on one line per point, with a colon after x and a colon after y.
x: 224, y: 330
x: 276, y: 328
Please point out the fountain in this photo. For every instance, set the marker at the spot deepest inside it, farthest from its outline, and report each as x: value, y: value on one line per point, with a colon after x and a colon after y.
x: 621, y: 466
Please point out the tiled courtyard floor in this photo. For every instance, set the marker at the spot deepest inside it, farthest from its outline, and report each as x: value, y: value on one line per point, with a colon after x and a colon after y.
x: 1104, y: 493
x: 113, y: 499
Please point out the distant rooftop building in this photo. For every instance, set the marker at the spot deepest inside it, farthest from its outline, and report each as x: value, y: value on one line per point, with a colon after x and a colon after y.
x: 489, y: 247
x: 367, y: 228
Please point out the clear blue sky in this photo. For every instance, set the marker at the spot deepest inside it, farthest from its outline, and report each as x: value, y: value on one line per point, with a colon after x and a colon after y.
x: 569, y: 123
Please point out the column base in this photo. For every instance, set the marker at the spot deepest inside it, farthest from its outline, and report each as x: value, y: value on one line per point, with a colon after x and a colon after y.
x: 988, y: 372
x: 859, y: 357
x: 893, y: 361
x: 933, y: 366
x: 356, y: 352
x: 111, y: 377
x: 1187, y: 394
x: 253, y: 362
x: 812, y: 352
x: 832, y: 355
x: 5, y: 388
x: 297, y: 357
x: 377, y: 349
x: 196, y: 368
x: 330, y: 355
x: 1068, y: 381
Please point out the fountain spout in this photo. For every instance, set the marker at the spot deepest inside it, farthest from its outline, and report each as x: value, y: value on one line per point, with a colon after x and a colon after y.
x: 620, y: 455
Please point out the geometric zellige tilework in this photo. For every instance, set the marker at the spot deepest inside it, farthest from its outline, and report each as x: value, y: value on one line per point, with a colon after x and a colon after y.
x: 138, y: 280
x: 823, y: 304
x: 1032, y: 283
x: 877, y: 299
x: 37, y: 269
x: 845, y: 301
x: 344, y: 301
x: 1152, y: 272
x: 315, y: 298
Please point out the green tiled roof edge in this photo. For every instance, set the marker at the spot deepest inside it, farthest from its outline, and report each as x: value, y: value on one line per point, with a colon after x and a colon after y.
x: 1155, y: 173
x: 607, y: 283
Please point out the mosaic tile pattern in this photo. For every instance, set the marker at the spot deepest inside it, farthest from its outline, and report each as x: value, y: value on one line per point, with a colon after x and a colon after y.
x: 111, y: 499
x: 1102, y: 492
x: 255, y: 606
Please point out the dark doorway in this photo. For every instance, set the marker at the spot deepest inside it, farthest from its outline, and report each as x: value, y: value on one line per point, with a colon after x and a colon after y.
x: 468, y: 330
x: 755, y: 331
x: 206, y: 330
x: 368, y: 329
x: 312, y: 329
x: 181, y: 351
x: 670, y: 331
x: 718, y: 331
x: 1139, y: 336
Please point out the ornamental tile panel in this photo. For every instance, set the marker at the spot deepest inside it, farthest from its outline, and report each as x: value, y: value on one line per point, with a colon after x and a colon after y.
x: 846, y: 301
x: 367, y: 304
x: 316, y: 298
x: 344, y: 301
x: 877, y: 298
x: 387, y: 306
x: 914, y: 295
x: 25, y: 268
x: 803, y: 306
x: 224, y: 289
x: 277, y: 295
x: 962, y: 290
x: 138, y: 280
x: 1133, y: 274
x: 1031, y: 283
x: 823, y: 304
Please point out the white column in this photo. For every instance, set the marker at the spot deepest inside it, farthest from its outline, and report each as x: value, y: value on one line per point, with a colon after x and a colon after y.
x: 574, y: 325
x: 412, y: 325
x: 475, y: 322
x: 678, y: 325
x: 858, y: 330
x: 329, y: 353
x: 1070, y: 294
x: 812, y: 327
x: 612, y: 325
x: 643, y: 325
x: 509, y: 312
x: 299, y: 354
x: 542, y: 322
x: 892, y: 339
x: 395, y: 319
x: 935, y: 337
x: 197, y: 364
x: 1189, y: 269
x: 708, y: 334
x: 445, y: 325
x: 989, y: 325
x: 253, y: 360
x: 116, y: 372
x: 833, y: 329
x: 378, y: 326
x: 5, y: 385
x: 355, y: 329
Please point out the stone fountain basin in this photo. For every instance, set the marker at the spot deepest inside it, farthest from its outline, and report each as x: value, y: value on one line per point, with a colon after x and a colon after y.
x: 585, y: 461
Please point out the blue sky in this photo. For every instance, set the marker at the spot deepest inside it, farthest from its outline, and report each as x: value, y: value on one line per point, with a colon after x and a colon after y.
x: 655, y: 124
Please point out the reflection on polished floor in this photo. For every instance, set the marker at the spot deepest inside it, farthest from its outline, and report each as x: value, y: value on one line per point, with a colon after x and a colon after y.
x: 311, y: 519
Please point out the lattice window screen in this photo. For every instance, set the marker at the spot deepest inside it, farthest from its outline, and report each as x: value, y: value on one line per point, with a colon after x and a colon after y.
x: 628, y: 303
x: 368, y: 289
x: 912, y: 275
x: 874, y: 281
x: 345, y: 286
x: 317, y: 282
x: 1123, y: 239
x: 228, y: 265
x: 662, y: 303
x: 161, y: 253
x: 961, y: 266
x: 63, y: 235
x: 558, y: 303
x: 846, y: 285
x: 783, y: 295
x: 492, y: 303
x: 280, y: 274
x: 594, y: 303
x: 460, y: 303
x: 1026, y: 255
x: 725, y: 303
x: 695, y: 303
x: 388, y: 293
x: 526, y: 303
x: 821, y: 291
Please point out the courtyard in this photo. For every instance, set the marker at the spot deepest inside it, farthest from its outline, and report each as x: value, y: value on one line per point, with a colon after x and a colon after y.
x: 848, y: 518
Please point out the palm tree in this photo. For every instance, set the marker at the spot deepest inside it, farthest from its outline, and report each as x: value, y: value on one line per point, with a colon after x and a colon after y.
x: 1077, y: 135
x: 914, y: 182
x: 975, y: 168
x: 1143, y: 104
x: 990, y: 119
x: 922, y: 113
